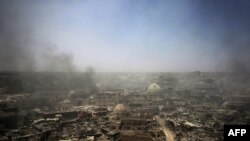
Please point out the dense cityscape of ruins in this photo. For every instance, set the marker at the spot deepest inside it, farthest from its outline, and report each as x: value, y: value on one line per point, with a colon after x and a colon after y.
x: 121, y: 106
x: 124, y: 70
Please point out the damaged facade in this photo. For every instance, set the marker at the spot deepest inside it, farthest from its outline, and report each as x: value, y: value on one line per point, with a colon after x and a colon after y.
x: 191, y: 106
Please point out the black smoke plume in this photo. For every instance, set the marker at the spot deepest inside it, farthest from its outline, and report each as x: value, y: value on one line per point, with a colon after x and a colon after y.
x: 20, y: 50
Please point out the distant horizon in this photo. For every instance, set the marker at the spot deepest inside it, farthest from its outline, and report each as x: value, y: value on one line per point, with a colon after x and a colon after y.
x: 118, y: 72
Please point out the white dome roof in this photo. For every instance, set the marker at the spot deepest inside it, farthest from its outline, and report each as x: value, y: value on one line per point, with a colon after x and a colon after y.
x: 66, y: 101
x: 153, y: 88
x: 120, y: 108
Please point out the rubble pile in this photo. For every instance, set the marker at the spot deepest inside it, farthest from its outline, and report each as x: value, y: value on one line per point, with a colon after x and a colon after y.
x: 192, y: 106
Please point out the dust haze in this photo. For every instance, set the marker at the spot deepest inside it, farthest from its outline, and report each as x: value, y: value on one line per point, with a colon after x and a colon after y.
x: 21, y: 51
x: 123, y: 70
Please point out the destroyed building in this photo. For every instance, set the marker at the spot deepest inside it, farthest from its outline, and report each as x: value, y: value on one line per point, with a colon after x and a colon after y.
x: 194, y: 111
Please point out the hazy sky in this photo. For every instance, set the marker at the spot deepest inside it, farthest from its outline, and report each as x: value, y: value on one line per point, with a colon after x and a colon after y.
x: 137, y: 35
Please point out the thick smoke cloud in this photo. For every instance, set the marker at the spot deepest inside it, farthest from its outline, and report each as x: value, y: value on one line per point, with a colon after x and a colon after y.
x: 224, y: 25
x: 238, y: 49
x: 230, y: 21
x: 20, y: 50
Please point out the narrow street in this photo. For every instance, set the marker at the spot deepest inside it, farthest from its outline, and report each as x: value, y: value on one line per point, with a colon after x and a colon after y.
x: 169, y: 135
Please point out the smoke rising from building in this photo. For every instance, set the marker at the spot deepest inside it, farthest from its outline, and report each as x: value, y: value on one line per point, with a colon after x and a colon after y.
x: 69, y: 36
x: 20, y: 50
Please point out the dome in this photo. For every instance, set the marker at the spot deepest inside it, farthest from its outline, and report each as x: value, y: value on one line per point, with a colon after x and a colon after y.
x: 153, y: 88
x: 66, y: 101
x: 120, y: 108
